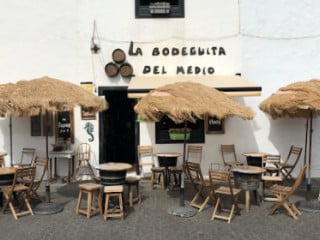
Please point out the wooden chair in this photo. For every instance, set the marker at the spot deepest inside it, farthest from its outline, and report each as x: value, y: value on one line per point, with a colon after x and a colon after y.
x: 148, y: 171
x: 283, y: 194
x: 221, y: 185
x: 291, y: 161
x: 200, y: 185
x: 194, y: 154
x: 146, y: 162
x: 83, y: 166
x: 27, y: 157
x: 41, y: 165
x: 229, y: 156
x: 19, y: 190
x: 272, y: 174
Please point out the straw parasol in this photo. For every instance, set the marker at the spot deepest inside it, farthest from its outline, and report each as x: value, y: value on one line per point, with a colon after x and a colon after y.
x: 5, y: 106
x: 43, y: 95
x: 187, y: 101
x: 299, y: 99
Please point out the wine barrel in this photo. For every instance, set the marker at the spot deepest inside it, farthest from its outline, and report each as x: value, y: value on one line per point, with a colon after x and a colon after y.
x: 118, y: 56
x: 6, y: 179
x: 126, y: 70
x: 111, y: 178
x: 111, y: 69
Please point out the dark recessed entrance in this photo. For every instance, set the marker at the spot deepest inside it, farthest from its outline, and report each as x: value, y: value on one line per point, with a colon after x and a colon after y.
x: 117, y: 127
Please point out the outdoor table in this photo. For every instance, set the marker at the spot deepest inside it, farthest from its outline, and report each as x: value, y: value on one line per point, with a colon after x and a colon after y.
x: 167, y: 159
x: 6, y: 178
x: 255, y: 158
x: 113, y: 173
x: 61, y: 155
x: 247, y: 178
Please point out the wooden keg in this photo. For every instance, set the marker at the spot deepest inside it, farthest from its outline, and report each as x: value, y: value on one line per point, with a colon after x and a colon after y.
x: 118, y: 56
x: 126, y: 70
x: 111, y: 69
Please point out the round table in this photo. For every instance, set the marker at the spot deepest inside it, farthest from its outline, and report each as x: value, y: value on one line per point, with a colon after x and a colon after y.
x: 247, y: 178
x: 113, y: 173
x: 167, y: 159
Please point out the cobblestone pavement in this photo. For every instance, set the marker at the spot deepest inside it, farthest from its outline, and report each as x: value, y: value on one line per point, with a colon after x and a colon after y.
x: 150, y: 220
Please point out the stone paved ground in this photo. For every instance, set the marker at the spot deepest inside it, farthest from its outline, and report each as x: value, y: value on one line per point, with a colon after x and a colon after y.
x: 150, y: 220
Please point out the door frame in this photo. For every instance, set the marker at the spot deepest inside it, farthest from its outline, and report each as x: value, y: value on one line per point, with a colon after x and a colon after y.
x: 102, y: 141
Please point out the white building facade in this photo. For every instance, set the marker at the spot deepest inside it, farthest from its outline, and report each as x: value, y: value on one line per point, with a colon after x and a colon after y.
x: 271, y: 44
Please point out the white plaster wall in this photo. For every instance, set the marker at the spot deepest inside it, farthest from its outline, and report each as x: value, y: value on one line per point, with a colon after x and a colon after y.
x: 279, y: 45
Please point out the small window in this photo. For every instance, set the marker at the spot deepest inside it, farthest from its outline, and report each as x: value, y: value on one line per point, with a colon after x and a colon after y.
x: 159, y: 9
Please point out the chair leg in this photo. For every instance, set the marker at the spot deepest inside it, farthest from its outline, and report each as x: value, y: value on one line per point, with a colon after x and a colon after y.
x: 79, y: 202
x: 215, y: 209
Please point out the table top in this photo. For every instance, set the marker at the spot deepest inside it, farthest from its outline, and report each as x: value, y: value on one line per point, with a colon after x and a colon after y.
x: 255, y: 154
x: 59, y: 153
x: 7, y: 170
x: 168, y: 154
x: 114, y: 166
x: 248, y: 169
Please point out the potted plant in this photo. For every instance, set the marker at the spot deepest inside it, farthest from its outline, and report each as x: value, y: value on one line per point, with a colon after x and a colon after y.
x: 178, y: 133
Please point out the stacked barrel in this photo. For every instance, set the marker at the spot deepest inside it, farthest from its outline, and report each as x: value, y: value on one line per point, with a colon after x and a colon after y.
x: 119, y: 65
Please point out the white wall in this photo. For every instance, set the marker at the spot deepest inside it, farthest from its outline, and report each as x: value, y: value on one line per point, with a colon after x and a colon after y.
x: 276, y: 47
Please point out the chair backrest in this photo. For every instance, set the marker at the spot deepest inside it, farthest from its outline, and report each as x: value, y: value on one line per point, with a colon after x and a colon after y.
x: 272, y: 164
x: 145, y: 159
x: 218, y: 178
x: 228, y: 153
x: 41, y: 165
x: 83, y: 152
x: 194, y: 173
x: 194, y: 154
x: 298, y: 180
x: 24, y: 173
x: 27, y: 157
x: 293, y: 155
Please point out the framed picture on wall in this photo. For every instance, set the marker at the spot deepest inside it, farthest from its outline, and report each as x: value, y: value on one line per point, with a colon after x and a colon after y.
x: 214, y: 125
x: 86, y: 114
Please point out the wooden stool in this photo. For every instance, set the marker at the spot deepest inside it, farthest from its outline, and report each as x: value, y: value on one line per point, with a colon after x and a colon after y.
x: 113, y: 192
x: 91, y: 189
x: 173, y: 172
x: 157, y: 172
x: 131, y: 182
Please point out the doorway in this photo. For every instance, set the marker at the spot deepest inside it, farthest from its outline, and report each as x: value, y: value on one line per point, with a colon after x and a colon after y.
x: 118, y: 131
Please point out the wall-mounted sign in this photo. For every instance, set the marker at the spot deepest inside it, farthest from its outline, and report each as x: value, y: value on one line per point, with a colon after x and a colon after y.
x: 182, y: 57
x: 214, y: 125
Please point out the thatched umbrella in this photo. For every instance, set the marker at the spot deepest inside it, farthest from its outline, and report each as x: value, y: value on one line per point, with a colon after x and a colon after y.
x: 187, y: 101
x: 299, y: 99
x: 5, y: 106
x: 43, y: 95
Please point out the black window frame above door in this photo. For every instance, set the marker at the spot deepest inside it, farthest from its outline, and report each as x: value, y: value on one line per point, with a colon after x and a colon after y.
x: 142, y: 9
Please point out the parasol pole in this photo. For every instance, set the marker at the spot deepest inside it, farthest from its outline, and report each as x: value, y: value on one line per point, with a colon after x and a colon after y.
x: 10, y: 129
x: 183, y: 210
x: 47, y: 151
x: 48, y: 207
x: 183, y: 162
x: 310, y: 147
x: 306, y: 142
